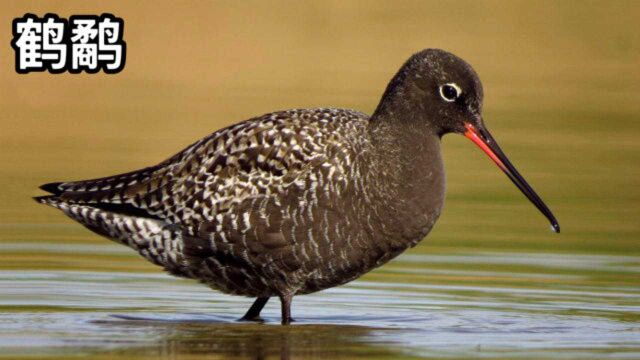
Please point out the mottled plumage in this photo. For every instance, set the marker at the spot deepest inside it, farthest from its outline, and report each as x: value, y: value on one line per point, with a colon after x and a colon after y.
x: 290, y: 202
x: 285, y: 202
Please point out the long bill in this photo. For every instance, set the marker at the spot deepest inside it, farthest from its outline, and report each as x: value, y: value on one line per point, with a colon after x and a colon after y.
x: 487, y: 143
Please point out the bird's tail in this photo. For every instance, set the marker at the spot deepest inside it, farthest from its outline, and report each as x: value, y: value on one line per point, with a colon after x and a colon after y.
x: 153, y: 238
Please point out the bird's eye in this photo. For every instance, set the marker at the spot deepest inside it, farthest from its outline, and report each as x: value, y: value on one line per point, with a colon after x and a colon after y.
x: 450, y: 92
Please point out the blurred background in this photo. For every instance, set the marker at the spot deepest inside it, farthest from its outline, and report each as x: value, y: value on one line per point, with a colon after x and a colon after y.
x: 562, y: 96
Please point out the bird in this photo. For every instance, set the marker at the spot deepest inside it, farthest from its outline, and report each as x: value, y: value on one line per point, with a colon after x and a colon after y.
x: 297, y: 201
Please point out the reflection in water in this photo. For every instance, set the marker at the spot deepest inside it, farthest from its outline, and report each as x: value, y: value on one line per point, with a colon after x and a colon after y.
x: 177, y: 338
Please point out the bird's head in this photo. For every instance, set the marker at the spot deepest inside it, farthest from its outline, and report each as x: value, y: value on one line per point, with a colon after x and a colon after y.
x: 440, y: 92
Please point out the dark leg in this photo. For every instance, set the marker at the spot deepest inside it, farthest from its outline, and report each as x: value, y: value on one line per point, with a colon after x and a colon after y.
x: 285, y: 301
x: 254, y: 311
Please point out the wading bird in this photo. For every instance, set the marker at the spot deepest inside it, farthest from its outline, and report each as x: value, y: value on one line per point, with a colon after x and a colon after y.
x: 297, y: 201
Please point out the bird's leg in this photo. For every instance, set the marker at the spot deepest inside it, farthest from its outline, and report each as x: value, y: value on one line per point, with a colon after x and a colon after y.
x: 285, y: 301
x: 254, y: 311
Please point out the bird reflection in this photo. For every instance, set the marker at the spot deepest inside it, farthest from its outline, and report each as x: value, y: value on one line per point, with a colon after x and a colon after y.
x: 173, y: 339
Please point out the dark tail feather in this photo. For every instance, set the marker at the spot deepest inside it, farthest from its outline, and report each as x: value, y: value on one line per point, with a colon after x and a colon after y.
x: 53, y: 188
x: 108, y: 183
x: 120, y: 194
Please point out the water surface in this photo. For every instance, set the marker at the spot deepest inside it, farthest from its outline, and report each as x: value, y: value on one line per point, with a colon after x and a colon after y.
x: 454, y: 304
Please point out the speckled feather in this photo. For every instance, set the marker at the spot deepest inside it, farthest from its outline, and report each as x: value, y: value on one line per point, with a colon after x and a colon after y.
x: 298, y: 201
x: 295, y: 201
x: 281, y: 203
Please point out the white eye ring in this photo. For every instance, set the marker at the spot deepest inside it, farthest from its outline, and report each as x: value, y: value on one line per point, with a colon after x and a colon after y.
x: 450, y: 92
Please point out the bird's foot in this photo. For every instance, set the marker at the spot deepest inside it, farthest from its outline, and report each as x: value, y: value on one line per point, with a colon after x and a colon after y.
x: 256, y: 319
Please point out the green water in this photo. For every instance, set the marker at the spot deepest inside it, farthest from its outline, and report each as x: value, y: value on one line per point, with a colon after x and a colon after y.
x: 562, y: 96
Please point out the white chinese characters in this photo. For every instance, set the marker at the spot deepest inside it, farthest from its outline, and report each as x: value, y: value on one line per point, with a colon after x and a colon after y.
x: 54, y: 49
x: 84, y: 43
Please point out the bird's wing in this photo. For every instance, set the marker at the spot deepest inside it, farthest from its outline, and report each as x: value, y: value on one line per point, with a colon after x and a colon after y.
x: 252, y: 206
x: 256, y: 158
x: 215, y: 156
x: 218, y: 175
x: 232, y: 197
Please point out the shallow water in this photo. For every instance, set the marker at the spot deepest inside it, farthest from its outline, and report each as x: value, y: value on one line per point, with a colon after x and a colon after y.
x: 454, y: 304
x: 562, y: 96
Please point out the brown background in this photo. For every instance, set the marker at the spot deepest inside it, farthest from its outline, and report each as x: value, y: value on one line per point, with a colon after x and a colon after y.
x: 562, y: 85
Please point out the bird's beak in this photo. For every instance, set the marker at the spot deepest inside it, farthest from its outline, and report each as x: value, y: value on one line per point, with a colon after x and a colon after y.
x: 487, y: 143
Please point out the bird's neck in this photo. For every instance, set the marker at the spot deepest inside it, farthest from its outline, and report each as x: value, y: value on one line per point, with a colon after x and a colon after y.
x: 409, y: 173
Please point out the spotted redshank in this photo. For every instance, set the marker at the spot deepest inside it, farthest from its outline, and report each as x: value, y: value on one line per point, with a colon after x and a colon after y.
x: 297, y: 201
